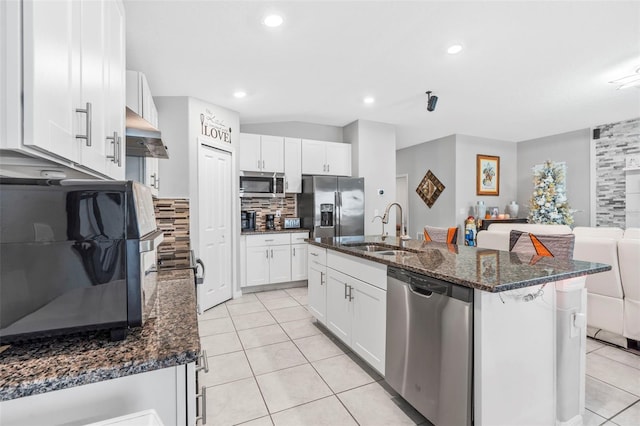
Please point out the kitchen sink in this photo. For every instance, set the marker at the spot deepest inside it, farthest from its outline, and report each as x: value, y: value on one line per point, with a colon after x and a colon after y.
x: 393, y: 252
x: 370, y: 247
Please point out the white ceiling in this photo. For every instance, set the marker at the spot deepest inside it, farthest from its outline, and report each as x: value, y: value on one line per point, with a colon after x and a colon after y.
x: 528, y: 69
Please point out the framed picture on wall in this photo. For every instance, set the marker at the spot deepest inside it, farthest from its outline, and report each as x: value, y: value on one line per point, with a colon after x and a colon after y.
x: 487, y: 175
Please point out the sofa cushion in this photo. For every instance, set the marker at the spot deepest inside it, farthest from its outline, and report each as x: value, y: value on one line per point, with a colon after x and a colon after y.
x: 598, y: 232
x: 601, y: 250
x: 553, y: 245
x: 633, y: 233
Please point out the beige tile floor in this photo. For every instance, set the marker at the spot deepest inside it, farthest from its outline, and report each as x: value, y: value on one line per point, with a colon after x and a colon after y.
x: 270, y: 364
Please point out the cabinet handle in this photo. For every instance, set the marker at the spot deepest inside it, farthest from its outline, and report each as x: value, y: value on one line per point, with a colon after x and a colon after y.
x: 345, y: 290
x: 321, y: 278
x: 262, y: 164
x: 271, y: 239
x: 314, y: 254
x: 114, y: 141
x: 258, y: 164
x: 87, y: 111
x: 153, y: 180
x: 119, y: 151
x: 350, y: 293
x: 267, y: 250
x: 203, y: 405
x: 272, y: 253
x: 328, y: 167
x: 294, y: 251
x: 205, y: 363
x: 158, y: 184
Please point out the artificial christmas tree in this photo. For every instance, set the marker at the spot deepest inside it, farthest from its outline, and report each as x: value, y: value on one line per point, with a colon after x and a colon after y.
x: 548, y: 203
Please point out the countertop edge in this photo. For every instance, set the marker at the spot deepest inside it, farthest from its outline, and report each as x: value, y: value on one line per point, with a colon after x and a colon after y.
x: 94, y: 376
x: 478, y: 286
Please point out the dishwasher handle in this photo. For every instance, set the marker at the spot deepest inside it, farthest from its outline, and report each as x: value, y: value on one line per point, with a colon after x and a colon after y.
x: 420, y: 291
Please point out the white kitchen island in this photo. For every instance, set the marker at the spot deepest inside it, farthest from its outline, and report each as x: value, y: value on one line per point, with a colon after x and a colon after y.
x: 528, y: 321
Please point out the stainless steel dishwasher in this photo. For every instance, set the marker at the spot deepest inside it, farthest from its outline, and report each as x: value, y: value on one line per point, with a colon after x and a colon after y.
x: 429, y: 350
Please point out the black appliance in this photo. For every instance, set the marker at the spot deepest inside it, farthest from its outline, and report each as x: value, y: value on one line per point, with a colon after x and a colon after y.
x: 244, y: 221
x: 75, y: 256
x: 248, y: 219
x: 254, y: 184
x: 271, y: 222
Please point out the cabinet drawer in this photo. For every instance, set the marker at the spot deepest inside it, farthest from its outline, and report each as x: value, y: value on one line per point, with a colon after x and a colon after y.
x: 317, y: 255
x: 365, y: 270
x: 299, y: 237
x: 267, y: 240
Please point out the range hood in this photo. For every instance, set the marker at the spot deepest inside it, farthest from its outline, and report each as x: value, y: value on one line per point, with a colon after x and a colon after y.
x: 143, y: 140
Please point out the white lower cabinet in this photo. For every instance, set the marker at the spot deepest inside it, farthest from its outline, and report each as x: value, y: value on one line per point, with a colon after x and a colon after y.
x: 352, y: 309
x: 299, y: 261
x: 317, y: 282
x: 168, y: 391
x: 339, y: 307
x: 272, y: 258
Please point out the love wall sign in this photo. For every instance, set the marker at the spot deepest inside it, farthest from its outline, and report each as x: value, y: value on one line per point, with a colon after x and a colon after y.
x: 214, y: 128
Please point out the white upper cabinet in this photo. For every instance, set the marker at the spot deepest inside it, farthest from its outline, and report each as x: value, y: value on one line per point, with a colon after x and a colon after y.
x: 326, y: 158
x: 338, y: 159
x: 249, y: 155
x: 261, y: 153
x: 115, y: 90
x: 314, y: 157
x: 272, y: 148
x: 292, y: 165
x: 72, y: 79
x: 139, y: 98
x: 51, y: 50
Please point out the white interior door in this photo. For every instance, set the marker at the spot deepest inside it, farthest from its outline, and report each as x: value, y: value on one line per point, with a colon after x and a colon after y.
x: 214, y: 217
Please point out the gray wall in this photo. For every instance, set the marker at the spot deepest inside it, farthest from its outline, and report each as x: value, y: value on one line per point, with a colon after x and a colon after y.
x: 174, y: 126
x: 572, y: 148
x: 467, y: 149
x: 295, y: 129
x: 439, y: 156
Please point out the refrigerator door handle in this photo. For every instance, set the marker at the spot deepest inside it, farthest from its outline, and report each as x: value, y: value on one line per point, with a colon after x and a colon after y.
x: 336, y: 214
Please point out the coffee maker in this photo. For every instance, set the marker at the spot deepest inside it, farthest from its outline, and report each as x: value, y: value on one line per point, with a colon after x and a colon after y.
x: 248, y: 220
x: 271, y: 222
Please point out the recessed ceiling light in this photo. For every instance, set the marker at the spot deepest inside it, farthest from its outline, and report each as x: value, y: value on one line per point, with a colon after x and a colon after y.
x: 239, y: 94
x: 368, y: 100
x: 453, y: 49
x: 273, y: 21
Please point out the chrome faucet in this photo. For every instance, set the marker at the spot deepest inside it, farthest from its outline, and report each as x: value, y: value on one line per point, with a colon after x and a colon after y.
x: 385, y: 219
x: 381, y: 221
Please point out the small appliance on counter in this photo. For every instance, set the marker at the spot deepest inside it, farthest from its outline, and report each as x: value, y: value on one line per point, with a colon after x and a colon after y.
x: 291, y: 222
x: 248, y: 220
x: 271, y: 225
x: 75, y: 256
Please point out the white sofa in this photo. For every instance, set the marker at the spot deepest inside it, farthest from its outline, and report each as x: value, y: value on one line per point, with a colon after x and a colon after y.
x: 613, y: 301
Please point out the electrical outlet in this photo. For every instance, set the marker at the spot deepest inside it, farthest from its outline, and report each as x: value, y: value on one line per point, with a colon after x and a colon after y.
x: 278, y: 213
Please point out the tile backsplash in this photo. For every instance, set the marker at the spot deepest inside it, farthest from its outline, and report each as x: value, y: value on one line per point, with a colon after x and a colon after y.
x: 264, y: 206
x: 172, y: 217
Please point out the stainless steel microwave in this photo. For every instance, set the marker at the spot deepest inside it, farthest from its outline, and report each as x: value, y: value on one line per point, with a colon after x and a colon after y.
x: 255, y: 184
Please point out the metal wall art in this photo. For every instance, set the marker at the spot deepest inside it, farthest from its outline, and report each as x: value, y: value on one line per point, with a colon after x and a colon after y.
x: 430, y: 189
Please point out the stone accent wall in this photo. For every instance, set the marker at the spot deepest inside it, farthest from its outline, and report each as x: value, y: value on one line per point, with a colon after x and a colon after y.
x: 172, y: 217
x: 264, y: 206
x: 617, y: 140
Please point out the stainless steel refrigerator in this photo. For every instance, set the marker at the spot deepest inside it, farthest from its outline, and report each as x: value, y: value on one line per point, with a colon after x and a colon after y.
x: 331, y: 206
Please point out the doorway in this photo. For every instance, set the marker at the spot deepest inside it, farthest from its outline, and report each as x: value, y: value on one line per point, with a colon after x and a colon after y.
x: 402, y: 195
x: 215, y: 224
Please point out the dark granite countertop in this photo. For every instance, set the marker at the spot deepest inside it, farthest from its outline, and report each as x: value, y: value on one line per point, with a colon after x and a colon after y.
x: 275, y: 231
x: 168, y: 338
x: 482, y: 269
